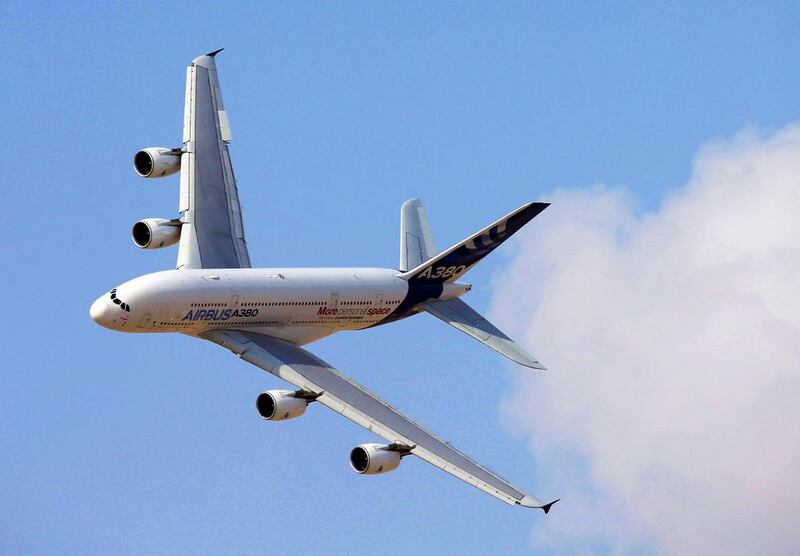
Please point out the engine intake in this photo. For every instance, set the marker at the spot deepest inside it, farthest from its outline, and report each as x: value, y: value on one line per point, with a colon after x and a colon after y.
x: 157, y: 162
x: 372, y: 459
x: 279, y: 405
x: 155, y: 233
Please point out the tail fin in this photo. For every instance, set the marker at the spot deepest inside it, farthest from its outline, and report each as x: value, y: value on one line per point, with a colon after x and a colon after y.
x: 416, y: 240
x: 456, y: 261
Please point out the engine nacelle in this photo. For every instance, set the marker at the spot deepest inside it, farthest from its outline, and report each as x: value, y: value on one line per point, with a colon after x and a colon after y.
x: 279, y: 405
x: 371, y: 459
x: 155, y: 233
x: 157, y: 162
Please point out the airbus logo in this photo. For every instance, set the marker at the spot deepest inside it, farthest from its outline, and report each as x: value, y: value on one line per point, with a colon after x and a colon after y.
x: 219, y: 314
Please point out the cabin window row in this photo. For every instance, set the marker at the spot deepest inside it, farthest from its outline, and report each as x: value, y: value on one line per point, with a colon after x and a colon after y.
x: 281, y: 303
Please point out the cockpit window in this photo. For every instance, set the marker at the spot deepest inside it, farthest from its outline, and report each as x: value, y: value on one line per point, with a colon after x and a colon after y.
x: 124, y: 306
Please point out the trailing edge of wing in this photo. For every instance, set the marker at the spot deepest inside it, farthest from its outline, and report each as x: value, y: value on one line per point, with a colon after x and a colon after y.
x: 343, y: 395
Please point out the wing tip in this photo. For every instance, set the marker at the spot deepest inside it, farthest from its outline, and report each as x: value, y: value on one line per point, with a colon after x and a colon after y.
x: 522, y: 357
x: 415, y: 202
x: 546, y: 507
x: 531, y: 502
x: 207, y: 60
x: 534, y: 364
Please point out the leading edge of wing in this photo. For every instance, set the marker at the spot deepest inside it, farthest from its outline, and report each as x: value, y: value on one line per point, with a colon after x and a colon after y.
x: 343, y: 395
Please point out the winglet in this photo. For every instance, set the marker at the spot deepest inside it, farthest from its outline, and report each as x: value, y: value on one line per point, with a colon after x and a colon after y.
x: 547, y: 506
x: 212, y: 54
x: 531, y: 502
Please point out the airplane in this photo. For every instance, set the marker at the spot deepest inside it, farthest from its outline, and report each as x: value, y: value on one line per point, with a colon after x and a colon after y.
x: 265, y: 315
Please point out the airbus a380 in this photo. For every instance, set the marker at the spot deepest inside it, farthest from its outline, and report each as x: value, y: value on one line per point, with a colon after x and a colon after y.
x: 265, y: 315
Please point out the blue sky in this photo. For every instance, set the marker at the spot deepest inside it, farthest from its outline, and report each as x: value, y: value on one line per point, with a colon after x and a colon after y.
x: 117, y: 443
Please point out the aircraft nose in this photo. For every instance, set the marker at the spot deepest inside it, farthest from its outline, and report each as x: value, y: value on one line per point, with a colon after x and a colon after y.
x: 99, y: 311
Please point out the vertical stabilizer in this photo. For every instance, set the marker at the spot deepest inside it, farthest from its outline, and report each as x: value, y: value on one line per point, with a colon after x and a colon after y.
x: 416, y: 240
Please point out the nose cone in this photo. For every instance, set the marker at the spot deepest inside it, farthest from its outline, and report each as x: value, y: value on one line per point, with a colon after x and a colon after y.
x: 99, y: 311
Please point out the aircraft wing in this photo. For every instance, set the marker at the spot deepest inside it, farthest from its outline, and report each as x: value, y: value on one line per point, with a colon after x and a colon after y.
x: 212, y: 233
x: 344, y: 396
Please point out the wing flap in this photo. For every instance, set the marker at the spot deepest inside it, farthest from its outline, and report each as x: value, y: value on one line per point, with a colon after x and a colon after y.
x: 345, y: 396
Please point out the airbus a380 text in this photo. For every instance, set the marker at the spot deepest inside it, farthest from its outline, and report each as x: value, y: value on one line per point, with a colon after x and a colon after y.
x: 265, y: 315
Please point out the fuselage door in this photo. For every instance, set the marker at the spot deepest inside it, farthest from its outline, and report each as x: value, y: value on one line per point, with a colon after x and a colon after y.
x: 333, y: 304
x: 146, y: 321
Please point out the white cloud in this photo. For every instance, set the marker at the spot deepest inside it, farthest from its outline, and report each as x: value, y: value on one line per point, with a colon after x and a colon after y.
x: 670, y: 418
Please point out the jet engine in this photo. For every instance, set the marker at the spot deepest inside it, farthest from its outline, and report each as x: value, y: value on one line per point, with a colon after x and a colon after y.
x: 371, y: 459
x: 155, y: 233
x: 279, y: 405
x: 157, y: 162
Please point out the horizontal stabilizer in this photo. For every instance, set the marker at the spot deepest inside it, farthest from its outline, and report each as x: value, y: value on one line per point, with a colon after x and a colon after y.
x: 463, y: 317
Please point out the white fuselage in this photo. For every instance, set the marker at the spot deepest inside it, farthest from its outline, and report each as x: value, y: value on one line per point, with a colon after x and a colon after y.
x: 300, y: 305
